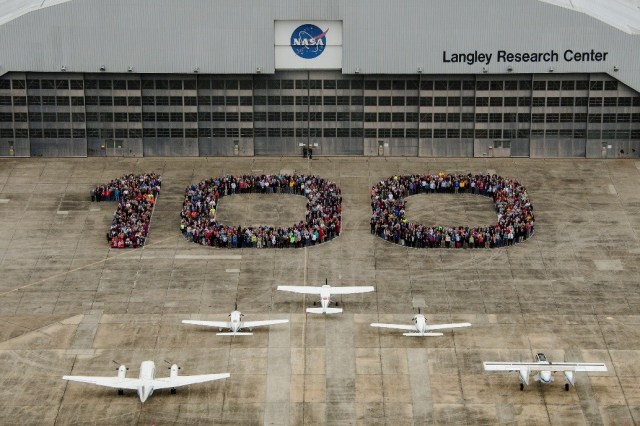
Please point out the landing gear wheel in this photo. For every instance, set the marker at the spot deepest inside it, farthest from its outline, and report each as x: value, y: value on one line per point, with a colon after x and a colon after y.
x: 120, y: 392
x: 173, y: 391
x: 521, y: 386
x: 337, y: 303
x: 566, y: 387
x: 314, y: 303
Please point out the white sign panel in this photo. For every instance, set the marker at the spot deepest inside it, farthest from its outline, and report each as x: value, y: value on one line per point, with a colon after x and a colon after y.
x: 308, y: 45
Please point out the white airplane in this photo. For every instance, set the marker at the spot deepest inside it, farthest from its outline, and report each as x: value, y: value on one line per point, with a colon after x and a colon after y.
x: 420, y: 328
x: 146, y: 382
x: 235, y: 324
x: 325, y: 292
x: 544, y: 369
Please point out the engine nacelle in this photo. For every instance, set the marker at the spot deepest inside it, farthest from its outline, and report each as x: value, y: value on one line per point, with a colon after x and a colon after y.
x: 174, y: 371
x: 523, y: 374
x: 122, y: 372
x: 569, y: 377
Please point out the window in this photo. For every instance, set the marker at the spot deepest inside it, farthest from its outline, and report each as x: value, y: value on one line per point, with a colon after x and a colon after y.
x: 537, y: 118
x: 162, y: 100
x: 411, y: 117
x: 177, y: 133
x: 106, y: 117
x: 453, y: 133
x: 510, y: 117
x: 581, y: 101
x: 595, y: 102
x: 62, y: 100
x: 580, y: 118
x: 163, y: 133
x: 48, y: 100
x: 20, y: 117
x: 287, y: 100
x: 93, y: 116
x: 568, y: 85
x: 18, y: 84
x: 246, y: 133
x: 384, y: 133
x: 411, y: 133
x: 273, y: 100
x: 357, y: 100
x: 285, y: 116
x: 595, y: 118
x: 78, y: 133
x: 439, y: 133
x: 231, y: 100
x: 219, y: 100
x: 482, y: 118
x: 120, y: 117
x: 624, y: 101
x: 397, y: 101
x: 524, y: 101
x: 453, y: 117
x: 120, y: 100
x: 624, y: 118
x: 217, y: 116
x: 426, y: 117
x: 495, y: 118
x: 384, y: 85
x: 344, y: 84
x: 553, y: 85
x: 342, y: 116
x: 495, y: 133
x: 440, y: 101
x: 468, y: 117
x: 482, y: 101
x: 246, y: 116
x: 566, y: 118
x: 246, y: 100
x: 329, y: 100
x: 511, y: 85
x: 466, y: 133
x: 596, y: 85
x: 131, y: 84
x: 329, y: 133
x: 357, y: 116
x: 453, y: 101
x: 397, y: 117
x: 582, y: 85
x: 426, y: 101
x: 329, y: 116
x: 538, y: 101
x: 384, y: 117
x: 495, y: 101
x: 552, y: 118
x: 524, y: 85
x: 426, y: 85
x: 49, y: 117
x: 440, y: 117
x: 162, y: 116
x: 175, y: 117
x: 302, y: 84
x: 175, y: 100
x: 496, y: 85
x: 426, y: 133
x: 273, y: 116
x: 260, y: 116
x: 539, y: 85
x: 608, y: 118
x: 610, y: 101
x: 204, y: 116
x: 511, y: 101
x: 553, y: 101
x: 384, y: 101
x: 611, y: 85
x: 566, y: 101
x: 468, y: 85
x: 135, y: 117
x: 329, y: 84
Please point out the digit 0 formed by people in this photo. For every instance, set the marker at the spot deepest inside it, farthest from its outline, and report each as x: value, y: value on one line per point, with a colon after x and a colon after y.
x: 323, y: 217
x: 136, y: 195
x: 389, y: 222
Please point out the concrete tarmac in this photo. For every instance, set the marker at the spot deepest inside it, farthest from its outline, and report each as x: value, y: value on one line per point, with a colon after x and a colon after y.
x: 71, y: 305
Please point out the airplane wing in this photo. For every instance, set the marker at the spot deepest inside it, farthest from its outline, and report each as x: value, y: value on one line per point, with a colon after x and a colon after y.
x: 395, y: 326
x: 110, y: 382
x: 174, y: 382
x: 554, y: 366
x: 445, y: 326
x: 300, y: 289
x: 219, y: 324
x: 253, y: 324
x: 351, y: 290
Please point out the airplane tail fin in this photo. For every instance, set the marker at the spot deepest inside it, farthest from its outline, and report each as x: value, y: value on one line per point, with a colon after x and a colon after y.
x: 324, y: 311
x: 231, y: 333
x: 422, y: 334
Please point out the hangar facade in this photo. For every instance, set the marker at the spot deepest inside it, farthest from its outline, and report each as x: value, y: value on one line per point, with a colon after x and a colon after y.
x: 459, y: 78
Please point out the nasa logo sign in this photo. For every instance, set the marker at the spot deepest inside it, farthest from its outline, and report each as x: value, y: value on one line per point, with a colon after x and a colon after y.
x: 308, y: 41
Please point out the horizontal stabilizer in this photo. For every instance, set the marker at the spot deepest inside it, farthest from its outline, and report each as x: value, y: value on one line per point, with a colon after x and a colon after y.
x: 324, y: 311
x: 231, y: 333
x: 422, y: 334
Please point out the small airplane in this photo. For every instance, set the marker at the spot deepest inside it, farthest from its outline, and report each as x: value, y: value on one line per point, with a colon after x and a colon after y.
x: 146, y: 382
x: 325, y: 292
x: 420, y: 328
x: 235, y: 324
x: 544, y: 369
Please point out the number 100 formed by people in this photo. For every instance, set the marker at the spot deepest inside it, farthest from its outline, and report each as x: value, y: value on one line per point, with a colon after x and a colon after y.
x: 136, y: 196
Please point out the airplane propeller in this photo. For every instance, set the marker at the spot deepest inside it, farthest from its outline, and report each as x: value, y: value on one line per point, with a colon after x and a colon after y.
x: 118, y: 364
x: 171, y: 365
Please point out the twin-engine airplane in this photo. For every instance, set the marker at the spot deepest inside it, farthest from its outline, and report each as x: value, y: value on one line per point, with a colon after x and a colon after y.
x: 146, y: 382
x: 544, y: 369
x: 420, y: 327
x: 325, y: 292
x: 235, y: 324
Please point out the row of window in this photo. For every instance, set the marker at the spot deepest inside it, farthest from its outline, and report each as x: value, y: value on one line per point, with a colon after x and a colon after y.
x: 317, y: 132
x: 231, y: 84
x: 275, y: 116
x: 494, y: 101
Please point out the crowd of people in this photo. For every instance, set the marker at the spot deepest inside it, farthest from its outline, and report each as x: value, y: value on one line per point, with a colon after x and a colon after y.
x: 389, y: 222
x: 322, y: 221
x: 136, y: 196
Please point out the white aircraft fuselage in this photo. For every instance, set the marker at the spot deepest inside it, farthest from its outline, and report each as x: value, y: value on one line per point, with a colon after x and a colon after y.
x: 235, y: 321
x: 147, y: 374
x: 325, y: 297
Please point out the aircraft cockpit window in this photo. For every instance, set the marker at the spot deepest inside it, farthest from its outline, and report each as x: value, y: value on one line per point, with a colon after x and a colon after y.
x: 541, y: 357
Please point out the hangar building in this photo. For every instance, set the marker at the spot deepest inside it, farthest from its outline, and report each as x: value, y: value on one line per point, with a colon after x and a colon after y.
x: 430, y: 78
